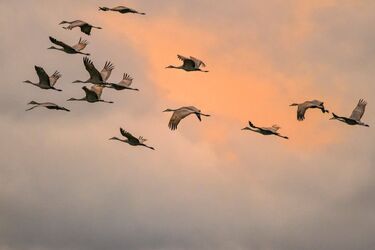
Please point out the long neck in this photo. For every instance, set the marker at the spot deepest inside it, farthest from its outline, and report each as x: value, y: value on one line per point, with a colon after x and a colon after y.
x: 77, y: 100
x: 117, y: 139
x: 30, y: 82
x: 175, y: 67
x: 53, y: 47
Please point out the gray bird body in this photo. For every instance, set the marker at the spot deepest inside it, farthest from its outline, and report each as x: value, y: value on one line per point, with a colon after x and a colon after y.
x: 181, y: 113
x: 93, y: 95
x: 96, y: 77
x: 75, y: 49
x: 45, y: 81
x: 122, y: 10
x: 265, y: 130
x: 303, y: 107
x: 84, y: 26
x: 189, y: 64
x: 47, y: 105
x: 124, y: 84
x: 131, y: 140
x: 356, y: 116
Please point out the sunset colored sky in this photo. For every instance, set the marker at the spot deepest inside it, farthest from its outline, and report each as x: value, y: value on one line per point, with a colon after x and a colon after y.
x: 208, y: 185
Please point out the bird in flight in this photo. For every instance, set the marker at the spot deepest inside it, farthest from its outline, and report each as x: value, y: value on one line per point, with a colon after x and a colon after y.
x: 47, y: 105
x: 303, y: 107
x: 265, y: 131
x: 75, y: 49
x: 132, y: 140
x: 125, y: 83
x: 181, y: 113
x: 355, y: 118
x: 122, y: 10
x: 45, y: 81
x: 92, y: 95
x: 85, y: 27
x: 189, y: 64
x: 96, y: 77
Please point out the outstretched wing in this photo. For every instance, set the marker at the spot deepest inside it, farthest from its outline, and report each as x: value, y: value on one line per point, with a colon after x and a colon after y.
x: 188, y: 63
x: 198, y: 62
x: 276, y: 127
x: 43, y: 77
x: 97, y: 89
x: 359, y: 110
x: 126, y: 80
x: 95, y: 76
x: 59, y: 43
x: 141, y: 139
x: 86, y: 28
x: 106, y: 71
x: 80, y: 45
x: 128, y: 135
x: 90, y: 94
x: 301, y: 112
x: 53, y: 78
x: 177, y: 116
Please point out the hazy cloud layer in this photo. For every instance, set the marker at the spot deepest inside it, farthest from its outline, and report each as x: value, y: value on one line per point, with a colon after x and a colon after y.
x: 208, y: 186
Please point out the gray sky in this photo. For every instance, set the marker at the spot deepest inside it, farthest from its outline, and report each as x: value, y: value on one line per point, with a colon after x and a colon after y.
x: 208, y: 186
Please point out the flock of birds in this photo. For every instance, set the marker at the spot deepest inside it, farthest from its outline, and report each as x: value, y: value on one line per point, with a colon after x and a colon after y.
x: 99, y: 81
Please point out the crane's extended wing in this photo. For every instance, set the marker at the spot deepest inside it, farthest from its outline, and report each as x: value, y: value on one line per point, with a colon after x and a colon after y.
x: 53, y: 78
x: 128, y: 135
x: 43, y: 77
x: 95, y: 75
x: 301, y: 111
x: 80, y: 45
x: 59, y: 43
x: 359, y: 110
x: 198, y: 62
x: 106, y: 71
x: 97, y: 89
x: 177, y: 116
x: 126, y: 80
x: 86, y: 28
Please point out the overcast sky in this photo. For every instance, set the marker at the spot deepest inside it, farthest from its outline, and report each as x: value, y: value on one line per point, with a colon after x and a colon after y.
x: 208, y: 185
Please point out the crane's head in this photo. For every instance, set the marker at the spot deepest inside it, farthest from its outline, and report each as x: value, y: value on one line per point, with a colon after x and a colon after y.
x: 27, y: 81
x: 64, y: 22
x: 293, y: 104
x: 247, y: 128
x: 52, y: 47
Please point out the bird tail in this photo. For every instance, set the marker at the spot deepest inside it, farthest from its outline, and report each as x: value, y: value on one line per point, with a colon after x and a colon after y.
x: 104, y: 8
x: 141, y: 13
